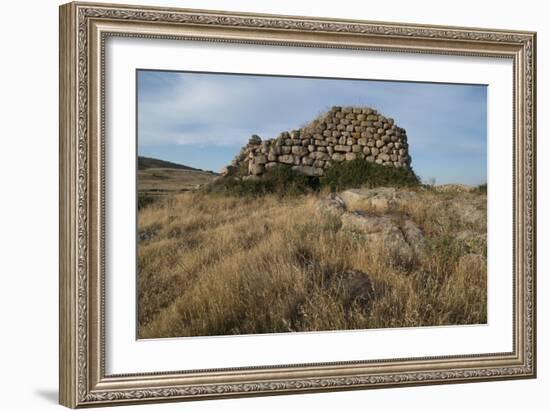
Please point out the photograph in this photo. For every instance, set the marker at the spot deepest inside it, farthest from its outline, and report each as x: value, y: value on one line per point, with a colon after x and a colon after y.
x: 280, y: 204
x: 261, y: 203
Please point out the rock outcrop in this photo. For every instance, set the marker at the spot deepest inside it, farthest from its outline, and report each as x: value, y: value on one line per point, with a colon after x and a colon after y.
x: 340, y: 134
x: 372, y: 214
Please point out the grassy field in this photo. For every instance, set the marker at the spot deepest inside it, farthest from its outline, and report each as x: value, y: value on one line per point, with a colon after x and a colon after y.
x: 154, y: 183
x: 170, y: 180
x: 217, y: 264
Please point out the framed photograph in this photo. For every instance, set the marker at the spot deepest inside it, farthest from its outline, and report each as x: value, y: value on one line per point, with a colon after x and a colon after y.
x: 260, y: 204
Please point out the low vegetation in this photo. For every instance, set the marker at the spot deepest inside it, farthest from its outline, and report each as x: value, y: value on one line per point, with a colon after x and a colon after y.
x: 358, y: 173
x: 283, y: 181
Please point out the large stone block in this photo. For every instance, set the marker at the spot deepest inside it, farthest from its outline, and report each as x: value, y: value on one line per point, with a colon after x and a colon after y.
x: 309, y: 170
x: 255, y: 169
x: 299, y: 151
x: 287, y: 159
x: 260, y: 159
x: 338, y: 157
x: 342, y: 148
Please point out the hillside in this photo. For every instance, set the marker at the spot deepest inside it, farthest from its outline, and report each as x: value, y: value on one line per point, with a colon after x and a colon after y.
x: 145, y: 163
x: 157, y: 178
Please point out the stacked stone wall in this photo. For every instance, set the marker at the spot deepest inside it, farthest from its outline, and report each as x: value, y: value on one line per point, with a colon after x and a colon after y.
x: 341, y: 134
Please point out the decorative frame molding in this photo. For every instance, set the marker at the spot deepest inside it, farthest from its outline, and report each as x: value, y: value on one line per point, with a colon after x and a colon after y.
x: 83, y: 30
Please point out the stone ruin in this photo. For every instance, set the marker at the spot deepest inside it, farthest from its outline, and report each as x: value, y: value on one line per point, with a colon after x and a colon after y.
x: 340, y: 134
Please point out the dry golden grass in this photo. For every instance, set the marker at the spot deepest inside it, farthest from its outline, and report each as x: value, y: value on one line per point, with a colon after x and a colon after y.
x: 160, y: 180
x: 215, y: 265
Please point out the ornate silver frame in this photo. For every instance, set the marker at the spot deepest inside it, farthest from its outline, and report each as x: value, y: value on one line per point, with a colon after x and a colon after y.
x: 83, y: 30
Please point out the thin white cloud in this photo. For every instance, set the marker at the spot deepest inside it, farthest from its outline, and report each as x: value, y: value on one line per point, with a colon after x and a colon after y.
x: 209, y: 110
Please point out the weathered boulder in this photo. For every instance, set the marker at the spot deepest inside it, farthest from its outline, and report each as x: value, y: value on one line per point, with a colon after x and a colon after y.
x: 379, y: 231
x: 332, y: 205
x: 366, y: 223
x: 414, y: 236
x: 380, y: 199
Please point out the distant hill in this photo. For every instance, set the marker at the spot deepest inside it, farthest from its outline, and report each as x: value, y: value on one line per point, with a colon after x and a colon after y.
x: 158, y: 177
x: 145, y: 163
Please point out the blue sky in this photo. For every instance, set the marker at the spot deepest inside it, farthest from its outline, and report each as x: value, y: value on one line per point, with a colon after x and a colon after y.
x: 202, y: 120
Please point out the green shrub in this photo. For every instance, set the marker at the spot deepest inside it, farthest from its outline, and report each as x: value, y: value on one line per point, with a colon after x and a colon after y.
x: 359, y: 172
x: 281, y: 180
x: 284, y: 181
